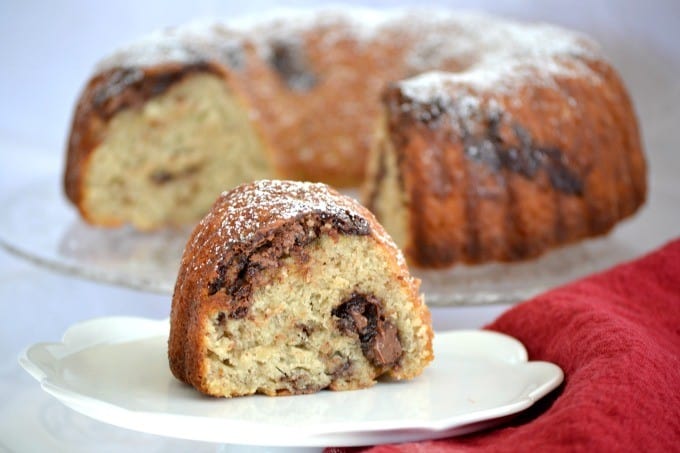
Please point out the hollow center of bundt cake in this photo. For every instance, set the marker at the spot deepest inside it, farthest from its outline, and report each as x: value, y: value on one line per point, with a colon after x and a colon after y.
x: 361, y: 314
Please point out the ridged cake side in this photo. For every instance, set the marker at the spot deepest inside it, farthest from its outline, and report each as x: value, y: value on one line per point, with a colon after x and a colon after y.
x: 505, y: 171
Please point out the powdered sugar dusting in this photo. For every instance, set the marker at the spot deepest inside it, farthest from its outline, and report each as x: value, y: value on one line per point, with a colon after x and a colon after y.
x: 488, y: 47
x: 202, y: 40
x: 359, y: 24
x: 498, y: 55
x: 249, y: 208
x: 239, y: 214
x: 189, y: 43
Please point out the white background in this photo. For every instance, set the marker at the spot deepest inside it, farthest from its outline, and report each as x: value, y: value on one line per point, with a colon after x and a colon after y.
x: 47, y: 50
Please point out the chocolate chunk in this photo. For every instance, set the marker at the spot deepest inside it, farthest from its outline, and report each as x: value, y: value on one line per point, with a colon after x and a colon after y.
x: 527, y: 159
x: 289, y: 60
x: 306, y: 329
x: 362, y: 315
x: 561, y: 176
x: 160, y: 176
x: 343, y: 369
x: 234, y: 57
x: 218, y: 281
x: 384, y: 348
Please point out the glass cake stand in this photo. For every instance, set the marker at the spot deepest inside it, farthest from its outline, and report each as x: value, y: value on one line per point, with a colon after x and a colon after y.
x: 39, y: 225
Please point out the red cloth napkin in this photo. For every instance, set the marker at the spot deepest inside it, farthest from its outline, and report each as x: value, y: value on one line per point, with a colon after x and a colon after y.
x: 616, y: 335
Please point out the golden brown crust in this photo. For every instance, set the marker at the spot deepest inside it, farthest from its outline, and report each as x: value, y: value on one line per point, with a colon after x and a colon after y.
x: 528, y: 170
x: 250, y: 229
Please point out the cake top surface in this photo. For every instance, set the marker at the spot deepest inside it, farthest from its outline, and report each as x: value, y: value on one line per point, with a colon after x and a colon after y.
x: 455, y: 57
x: 249, y: 207
x: 240, y: 214
x: 499, y: 55
x: 437, y: 36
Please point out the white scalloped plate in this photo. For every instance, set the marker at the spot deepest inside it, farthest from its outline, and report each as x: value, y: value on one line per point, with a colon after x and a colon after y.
x: 115, y: 370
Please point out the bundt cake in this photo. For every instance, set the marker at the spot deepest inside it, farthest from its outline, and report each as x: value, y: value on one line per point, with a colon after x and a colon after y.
x: 495, y: 140
x: 290, y: 287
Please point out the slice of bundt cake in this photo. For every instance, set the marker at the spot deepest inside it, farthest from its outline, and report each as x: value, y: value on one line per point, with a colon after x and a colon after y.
x: 290, y: 287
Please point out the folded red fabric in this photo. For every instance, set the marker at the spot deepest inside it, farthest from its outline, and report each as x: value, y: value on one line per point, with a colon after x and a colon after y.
x: 616, y: 335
